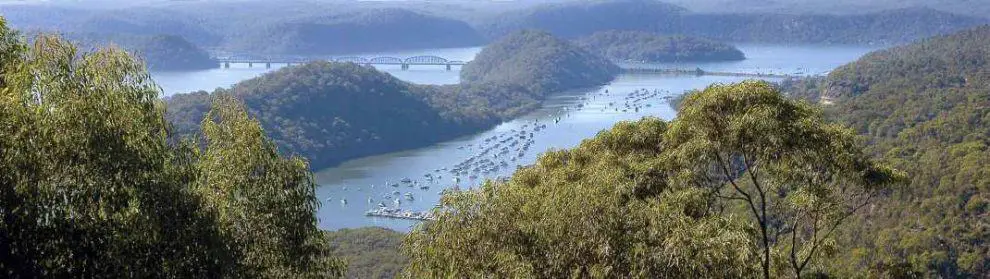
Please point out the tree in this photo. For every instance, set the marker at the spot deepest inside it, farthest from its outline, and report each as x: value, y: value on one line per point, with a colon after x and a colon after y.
x: 265, y: 202
x: 655, y: 199
x: 602, y: 210
x: 798, y: 176
x: 92, y: 186
x: 89, y: 185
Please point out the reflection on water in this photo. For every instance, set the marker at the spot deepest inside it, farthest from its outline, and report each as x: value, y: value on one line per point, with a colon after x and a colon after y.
x: 366, y: 183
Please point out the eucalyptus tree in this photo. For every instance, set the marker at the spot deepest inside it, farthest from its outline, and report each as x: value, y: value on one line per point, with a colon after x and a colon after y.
x: 601, y: 210
x: 265, y: 202
x: 798, y: 177
x: 744, y: 183
x: 92, y: 186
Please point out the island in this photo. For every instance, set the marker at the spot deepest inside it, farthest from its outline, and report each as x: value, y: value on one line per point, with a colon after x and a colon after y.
x: 540, y: 62
x: 637, y: 46
x: 330, y: 112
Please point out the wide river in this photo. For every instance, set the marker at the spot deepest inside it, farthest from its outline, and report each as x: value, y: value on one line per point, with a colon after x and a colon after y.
x: 348, y: 191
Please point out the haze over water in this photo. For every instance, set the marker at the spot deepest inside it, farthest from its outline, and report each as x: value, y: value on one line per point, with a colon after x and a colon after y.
x: 353, y: 180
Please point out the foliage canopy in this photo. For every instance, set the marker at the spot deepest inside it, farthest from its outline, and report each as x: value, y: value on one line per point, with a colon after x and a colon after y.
x: 925, y: 107
x: 744, y: 182
x: 91, y: 186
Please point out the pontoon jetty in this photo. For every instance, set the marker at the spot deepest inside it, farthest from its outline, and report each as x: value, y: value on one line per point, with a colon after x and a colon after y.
x: 397, y: 213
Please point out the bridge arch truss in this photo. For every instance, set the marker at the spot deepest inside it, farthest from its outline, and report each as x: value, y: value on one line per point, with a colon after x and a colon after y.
x: 426, y: 60
x: 387, y: 60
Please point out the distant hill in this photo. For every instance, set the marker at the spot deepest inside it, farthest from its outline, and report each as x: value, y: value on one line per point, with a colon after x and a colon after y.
x: 926, y: 108
x: 580, y: 18
x: 885, y: 27
x: 648, y: 47
x: 837, y: 7
x: 150, y: 21
x: 538, y: 61
x: 159, y: 52
x: 336, y: 27
x: 366, y: 31
x: 260, y: 27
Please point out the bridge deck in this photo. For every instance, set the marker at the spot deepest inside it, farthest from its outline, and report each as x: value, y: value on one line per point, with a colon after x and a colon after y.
x: 237, y: 61
x: 418, y: 60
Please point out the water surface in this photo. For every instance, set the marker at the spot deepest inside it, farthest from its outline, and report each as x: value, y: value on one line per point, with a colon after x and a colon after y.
x: 570, y: 117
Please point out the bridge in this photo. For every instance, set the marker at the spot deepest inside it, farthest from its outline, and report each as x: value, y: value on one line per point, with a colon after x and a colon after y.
x: 405, y: 63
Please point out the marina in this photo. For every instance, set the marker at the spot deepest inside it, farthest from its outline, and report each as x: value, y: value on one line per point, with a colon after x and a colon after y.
x: 396, y: 213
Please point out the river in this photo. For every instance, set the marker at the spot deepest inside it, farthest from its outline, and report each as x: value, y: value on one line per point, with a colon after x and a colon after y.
x: 569, y: 117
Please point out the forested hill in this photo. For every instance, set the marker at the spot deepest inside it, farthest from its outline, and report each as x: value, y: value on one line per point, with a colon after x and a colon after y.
x: 159, y: 52
x: 883, y: 27
x: 331, y: 112
x: 260, y: 27
x: 365, y: 31
x: 926, y: 107
x: 580, y: 18
x: 336, y: 27
x: 649, y: 47
x: 539, y: 62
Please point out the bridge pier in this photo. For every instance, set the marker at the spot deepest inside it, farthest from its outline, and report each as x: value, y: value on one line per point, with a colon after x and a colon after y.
x: 226, y: 65
x: 405, y: 66
x: 268, y: 65
x: 250, y: 65
x: 448, y: 67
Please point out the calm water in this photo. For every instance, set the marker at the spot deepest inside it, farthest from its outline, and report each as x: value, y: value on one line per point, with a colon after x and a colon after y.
x: 568, y: 118
x: 185, y: 82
